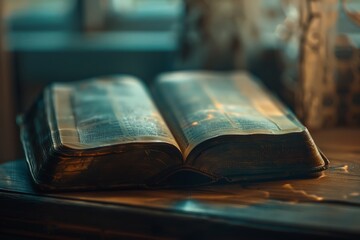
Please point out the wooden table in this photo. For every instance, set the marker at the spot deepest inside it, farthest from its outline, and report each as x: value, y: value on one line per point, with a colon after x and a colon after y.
x: 325, y: 207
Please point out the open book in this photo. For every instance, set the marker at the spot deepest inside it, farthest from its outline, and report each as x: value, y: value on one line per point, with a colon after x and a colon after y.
x: 198, y: 128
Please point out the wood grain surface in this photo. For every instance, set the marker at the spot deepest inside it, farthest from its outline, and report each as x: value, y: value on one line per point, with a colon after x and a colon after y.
x: 327, y: 206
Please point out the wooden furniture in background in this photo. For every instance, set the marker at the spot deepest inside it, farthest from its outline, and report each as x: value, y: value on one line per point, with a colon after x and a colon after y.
x: 8, y: 133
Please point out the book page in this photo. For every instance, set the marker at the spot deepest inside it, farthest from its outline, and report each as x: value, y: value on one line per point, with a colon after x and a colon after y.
x: 104, y: 112
x: 204, y: 105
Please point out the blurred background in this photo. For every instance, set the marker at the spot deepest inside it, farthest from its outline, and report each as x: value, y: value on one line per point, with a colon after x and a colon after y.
x: 306, y: 52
